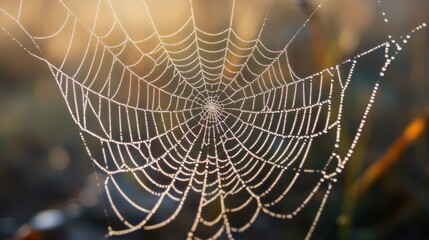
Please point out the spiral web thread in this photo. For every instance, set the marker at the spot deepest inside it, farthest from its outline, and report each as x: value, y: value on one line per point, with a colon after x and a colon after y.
x: 208, y: 114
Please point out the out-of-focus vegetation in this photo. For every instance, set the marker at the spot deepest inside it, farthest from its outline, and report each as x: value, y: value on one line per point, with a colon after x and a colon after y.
x: 43, y: 165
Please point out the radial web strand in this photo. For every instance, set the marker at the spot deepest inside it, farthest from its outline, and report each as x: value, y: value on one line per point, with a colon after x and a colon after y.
x: 190, y: 120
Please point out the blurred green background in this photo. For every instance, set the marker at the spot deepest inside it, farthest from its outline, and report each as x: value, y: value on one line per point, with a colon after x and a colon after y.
x: 43, y: 165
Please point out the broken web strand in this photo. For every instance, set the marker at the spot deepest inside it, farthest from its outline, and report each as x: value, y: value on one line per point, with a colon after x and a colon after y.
x: 391, y: 49
x: 389, y: 58
x: 212, y: 112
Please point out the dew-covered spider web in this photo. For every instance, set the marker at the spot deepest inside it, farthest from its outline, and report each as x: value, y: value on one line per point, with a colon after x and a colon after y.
x: 187, y: 112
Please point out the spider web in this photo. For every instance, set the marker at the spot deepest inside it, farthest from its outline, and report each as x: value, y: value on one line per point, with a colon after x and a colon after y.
x: 207, y: 119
